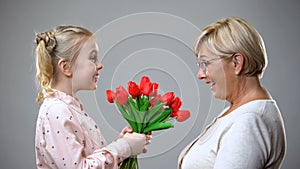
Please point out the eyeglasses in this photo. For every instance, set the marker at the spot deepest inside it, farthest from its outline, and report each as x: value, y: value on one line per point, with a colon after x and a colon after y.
x: 203, y: 64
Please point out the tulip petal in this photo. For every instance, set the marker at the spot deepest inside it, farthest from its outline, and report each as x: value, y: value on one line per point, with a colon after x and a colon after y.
x: 183, y: 115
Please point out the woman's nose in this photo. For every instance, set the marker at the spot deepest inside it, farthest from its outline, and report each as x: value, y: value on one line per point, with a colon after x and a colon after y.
x: 201, y: 74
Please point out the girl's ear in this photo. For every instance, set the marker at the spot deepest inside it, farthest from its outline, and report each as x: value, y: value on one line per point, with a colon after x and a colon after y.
x: 238, y: 60
x: 64, y: 67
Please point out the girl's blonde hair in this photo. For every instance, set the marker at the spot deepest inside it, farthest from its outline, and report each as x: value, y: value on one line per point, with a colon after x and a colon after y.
x: 63, y: 42
x: 231, y: 35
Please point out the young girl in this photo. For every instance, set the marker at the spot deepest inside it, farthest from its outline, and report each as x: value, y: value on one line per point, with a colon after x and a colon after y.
x: 66, y: 136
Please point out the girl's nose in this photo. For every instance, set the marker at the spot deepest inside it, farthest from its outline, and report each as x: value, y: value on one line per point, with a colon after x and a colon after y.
x: 201, y: 74
x: 99, y: 66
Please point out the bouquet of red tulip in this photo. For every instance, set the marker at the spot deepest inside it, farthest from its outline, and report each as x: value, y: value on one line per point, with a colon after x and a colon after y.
x: 145, y: 110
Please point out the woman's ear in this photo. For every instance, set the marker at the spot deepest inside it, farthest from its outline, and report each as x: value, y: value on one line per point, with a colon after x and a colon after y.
x: 238, y: 60
x: 64, y: 67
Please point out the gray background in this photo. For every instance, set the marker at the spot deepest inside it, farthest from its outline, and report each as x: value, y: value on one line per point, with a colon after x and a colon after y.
x: 277, y: 21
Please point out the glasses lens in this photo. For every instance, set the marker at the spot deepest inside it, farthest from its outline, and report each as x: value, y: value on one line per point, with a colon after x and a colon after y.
x: 203, y: 66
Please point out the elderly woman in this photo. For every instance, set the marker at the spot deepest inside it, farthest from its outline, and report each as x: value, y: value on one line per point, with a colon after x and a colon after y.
x: 249, y: 133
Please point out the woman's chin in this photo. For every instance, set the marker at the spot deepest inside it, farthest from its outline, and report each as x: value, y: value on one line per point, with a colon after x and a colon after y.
x: 218, y: 95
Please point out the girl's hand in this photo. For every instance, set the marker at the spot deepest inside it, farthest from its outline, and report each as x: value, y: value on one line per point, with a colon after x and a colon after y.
x: 126, y: 129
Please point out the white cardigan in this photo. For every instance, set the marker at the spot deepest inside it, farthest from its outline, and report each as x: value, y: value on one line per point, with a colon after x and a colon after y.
x: 250, y: 137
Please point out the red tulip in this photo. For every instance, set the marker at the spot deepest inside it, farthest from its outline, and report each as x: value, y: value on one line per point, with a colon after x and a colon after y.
x: 110, y: 95
x: 147, y: 88
x: 167, y: 98
x: 144, y: 80
x: 176, y: 104
x: 121, y: 95
x: 182, y: 115
x: 153, y: 100
x: 155, y: 89
x: 134, y: 89
x: 174, y: 114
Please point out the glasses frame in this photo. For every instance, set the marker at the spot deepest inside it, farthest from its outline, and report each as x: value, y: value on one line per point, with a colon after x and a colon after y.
x: 203, y: 64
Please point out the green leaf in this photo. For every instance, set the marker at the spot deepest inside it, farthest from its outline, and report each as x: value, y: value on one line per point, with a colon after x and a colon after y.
x: 144, y: 102
x: 153, y: 112
x: 122, y: 111
x: 138, y: 116
x: 133, y: 103
x: 168, y: 119
x: 158, y: 126
x: 127, y: 117
x: 161, y: 116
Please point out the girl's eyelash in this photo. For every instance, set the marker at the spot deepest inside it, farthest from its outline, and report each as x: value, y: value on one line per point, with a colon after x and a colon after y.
x: 94, y: 58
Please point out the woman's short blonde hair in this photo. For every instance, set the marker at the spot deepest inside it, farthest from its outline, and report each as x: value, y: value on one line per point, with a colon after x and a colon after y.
x: 234, y: 35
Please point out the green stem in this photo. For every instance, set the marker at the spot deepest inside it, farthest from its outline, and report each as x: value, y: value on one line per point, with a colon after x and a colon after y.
x: 130, y: 163
x: 138, y: 102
